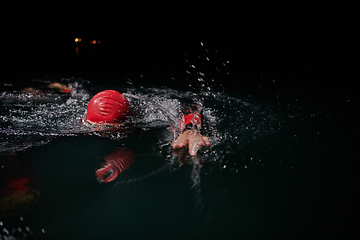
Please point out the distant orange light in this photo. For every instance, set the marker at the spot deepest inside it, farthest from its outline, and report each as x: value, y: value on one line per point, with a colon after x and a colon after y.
x: 77, y: 39
x: 93, y: 42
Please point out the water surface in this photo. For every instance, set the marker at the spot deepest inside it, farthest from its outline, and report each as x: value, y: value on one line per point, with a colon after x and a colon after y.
x: 268, y: 173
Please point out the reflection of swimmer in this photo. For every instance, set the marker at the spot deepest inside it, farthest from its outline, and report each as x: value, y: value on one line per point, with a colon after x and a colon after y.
x: 184, y: 157
x: 109, y: 109
x: 15, y: 194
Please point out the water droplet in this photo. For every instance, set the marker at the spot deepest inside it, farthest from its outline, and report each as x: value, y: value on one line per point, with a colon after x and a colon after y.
x: 5, y: 231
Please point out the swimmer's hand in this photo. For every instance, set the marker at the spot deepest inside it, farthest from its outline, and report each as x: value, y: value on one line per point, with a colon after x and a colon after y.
x: 193, y: 139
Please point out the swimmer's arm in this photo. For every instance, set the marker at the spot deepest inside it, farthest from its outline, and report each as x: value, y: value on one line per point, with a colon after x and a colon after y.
x: 193, y: 139
x: 58, y: 86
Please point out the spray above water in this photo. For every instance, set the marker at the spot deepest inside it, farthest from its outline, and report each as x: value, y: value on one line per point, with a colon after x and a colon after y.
x: 229, y: 121
x: 33, y: 119
x: 256, y: 143
x: 207, y: 69
x: 233, y: 123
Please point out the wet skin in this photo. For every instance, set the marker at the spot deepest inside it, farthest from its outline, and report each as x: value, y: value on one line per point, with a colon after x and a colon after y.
x: 193, y: 139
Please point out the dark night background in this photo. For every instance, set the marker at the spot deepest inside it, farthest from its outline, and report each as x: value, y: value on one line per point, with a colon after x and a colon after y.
x: 314, y: 57
x: 304, y: 51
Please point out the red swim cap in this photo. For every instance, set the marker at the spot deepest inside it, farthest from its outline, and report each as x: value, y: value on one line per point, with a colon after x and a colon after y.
x: 107, y: 107
x: 192, y: 118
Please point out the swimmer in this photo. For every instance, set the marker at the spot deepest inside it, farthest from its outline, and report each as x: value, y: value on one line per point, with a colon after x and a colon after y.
x: 193, y: 139
x: 191, y: 127
x: 58, y: 87
x: 109, y: 109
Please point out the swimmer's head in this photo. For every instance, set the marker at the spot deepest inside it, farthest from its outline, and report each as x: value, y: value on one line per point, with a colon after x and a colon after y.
x: 107, y: 107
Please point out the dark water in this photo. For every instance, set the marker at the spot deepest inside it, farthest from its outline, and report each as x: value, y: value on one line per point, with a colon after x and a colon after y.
x: 278, y: 165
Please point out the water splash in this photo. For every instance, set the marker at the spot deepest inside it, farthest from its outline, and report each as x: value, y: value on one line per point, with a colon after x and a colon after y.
x: 168, y: 108
x: 28, y: 121
x: 234, y: 123
x: 206, y: 69
x: 19, y: 231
